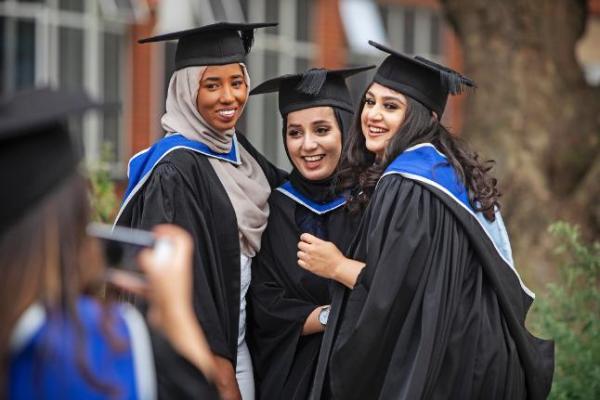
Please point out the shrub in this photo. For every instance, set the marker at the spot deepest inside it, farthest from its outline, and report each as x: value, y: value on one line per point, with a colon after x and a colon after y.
x: 102, y: 190
x: 569, y: 313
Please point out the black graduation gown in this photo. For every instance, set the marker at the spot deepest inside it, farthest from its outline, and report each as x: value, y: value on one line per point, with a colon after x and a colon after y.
x: 184, y: 190
x: 176, y: 377
x: 435, y: 313
x: 281, y: 297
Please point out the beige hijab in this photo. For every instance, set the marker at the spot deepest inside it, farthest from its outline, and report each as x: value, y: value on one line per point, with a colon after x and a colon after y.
x: 245, y: 184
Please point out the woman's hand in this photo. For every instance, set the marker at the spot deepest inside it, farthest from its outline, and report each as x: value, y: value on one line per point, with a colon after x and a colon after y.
x: 169, y: 276
x: 166, y: 279
x: 319, y: 256
x: 225, y: 379
x: 324, y: 259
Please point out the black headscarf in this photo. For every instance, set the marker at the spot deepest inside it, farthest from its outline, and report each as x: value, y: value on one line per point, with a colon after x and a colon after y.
x: 320, y: 191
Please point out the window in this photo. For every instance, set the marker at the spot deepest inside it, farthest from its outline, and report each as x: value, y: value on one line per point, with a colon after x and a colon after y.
x: 285, y: 49
x: 71, y: 5
x: 111, y: 92
x: 362, y: 22
x: 412, y: 30
x: 70, y: 46
x: 17, y: 49
x: 25, y: 49
x: 122, y: 10
x: 73, y: 45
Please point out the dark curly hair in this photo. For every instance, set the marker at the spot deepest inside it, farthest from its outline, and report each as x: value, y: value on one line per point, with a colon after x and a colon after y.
x: 359, y: 170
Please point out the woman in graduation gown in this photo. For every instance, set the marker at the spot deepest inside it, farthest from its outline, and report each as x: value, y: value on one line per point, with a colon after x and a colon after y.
x: 288, y: 306
x: 429, y: 303
x: 58, y: 338
x: 206, y: 177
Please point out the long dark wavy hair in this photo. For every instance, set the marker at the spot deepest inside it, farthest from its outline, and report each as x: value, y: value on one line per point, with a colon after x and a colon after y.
x: 360, y: 171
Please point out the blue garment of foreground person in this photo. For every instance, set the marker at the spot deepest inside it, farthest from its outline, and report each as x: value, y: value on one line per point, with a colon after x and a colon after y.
x: 47, y: 353
x: 60, y: 335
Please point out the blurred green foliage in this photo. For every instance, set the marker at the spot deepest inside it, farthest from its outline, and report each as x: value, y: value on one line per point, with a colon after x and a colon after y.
x: 103, y: 197
x: 569, y: 313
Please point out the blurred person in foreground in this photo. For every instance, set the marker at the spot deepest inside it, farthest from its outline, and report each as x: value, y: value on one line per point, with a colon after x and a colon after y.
x: 58, y: 338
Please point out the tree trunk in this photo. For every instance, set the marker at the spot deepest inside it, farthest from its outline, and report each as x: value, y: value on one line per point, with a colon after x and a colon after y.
x: 534, y: 114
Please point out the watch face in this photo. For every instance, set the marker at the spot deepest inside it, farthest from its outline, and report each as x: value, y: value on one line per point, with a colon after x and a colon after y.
x: 324, y: 315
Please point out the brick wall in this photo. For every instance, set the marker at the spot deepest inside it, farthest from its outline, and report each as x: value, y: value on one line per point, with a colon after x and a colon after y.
x: 329, y: 34
x: 142, y: 87
x: 139, y: 107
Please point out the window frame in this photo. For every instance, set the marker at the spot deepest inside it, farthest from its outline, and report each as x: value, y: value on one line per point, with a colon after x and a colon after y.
x: 48, y: 20
x: 280, y: 43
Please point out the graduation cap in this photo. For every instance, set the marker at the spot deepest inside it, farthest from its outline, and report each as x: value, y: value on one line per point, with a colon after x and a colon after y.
x: 36, y: 149
x: 422, y: 79
x: 316, y: 87
x: 216, y: 44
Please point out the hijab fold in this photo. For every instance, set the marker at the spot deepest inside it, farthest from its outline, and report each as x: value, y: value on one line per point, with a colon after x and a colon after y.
x: 246, y: 184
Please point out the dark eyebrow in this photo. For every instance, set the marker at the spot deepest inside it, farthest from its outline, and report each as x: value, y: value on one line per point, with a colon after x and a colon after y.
x: 388, y: 98
x: 321, y: 121
x: 394, y: 98
x: 212, y: 78
x: 294, y: 126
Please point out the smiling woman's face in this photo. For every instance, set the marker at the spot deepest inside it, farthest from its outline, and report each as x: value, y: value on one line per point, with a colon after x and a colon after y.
x: 381, y: 117
x: 222, y: 95
x: 314, y: 141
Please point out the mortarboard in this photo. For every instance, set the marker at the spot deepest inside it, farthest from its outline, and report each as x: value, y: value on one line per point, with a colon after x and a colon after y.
x: 216, y: 44
x: 36, y: 149
x: 425, y: 81
x: 316, y: 87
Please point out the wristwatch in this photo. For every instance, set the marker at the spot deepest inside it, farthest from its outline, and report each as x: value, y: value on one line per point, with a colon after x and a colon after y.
x: 324, y: 315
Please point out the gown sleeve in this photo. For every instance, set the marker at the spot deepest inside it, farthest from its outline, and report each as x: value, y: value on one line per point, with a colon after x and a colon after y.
x: 412, y: 326
x: 275, y: 308
x: 168, y: 197
x: 176, y: 377
x: 278, y: 316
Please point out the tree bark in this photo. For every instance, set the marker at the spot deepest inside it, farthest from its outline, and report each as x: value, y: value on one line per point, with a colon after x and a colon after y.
x: 534, y: 113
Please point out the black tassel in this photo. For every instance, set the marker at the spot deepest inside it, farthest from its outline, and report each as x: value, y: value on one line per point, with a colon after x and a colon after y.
x: 454, y: 81
x: 312, y: 81
x: 248, y: 39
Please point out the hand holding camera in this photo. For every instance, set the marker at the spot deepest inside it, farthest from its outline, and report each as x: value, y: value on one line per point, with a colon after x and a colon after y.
x: 168, y: 270
x: 157, y: 265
